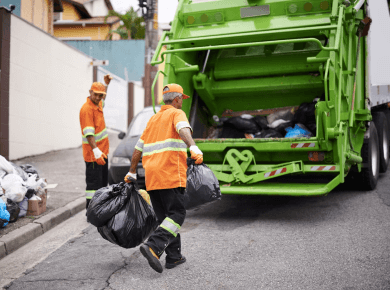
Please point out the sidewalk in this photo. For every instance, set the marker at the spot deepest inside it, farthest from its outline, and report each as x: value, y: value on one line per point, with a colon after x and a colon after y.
x: 65, y: 168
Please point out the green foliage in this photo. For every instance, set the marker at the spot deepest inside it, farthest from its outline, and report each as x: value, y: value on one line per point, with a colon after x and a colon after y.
x: 132, y: 26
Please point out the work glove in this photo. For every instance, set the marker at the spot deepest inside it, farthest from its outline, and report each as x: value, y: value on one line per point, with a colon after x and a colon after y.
x: 130, y: 177
x: 99, y: 156
x: 196, y: 154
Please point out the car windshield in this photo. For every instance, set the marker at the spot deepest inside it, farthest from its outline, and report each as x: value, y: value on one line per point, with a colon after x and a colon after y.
x: 138, y: 125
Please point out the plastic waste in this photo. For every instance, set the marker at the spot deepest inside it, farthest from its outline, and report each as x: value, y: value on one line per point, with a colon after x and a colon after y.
x: 270, y: 133
x: 305, y: 113
x: 277, y: 123
x: 298, y: 131
x: 243, y: 125
x: 105, y: 203
x: 4, y: 214
x: 28, y: 168
x: 202, y: 186
x: 312, y: 127
x: 5, y: 165
x: 13, y: 209
x: 23, y: 205
x: 282, y: 127
x: 2, y: 173
x: 230, y: 132
x: 134, y: 222
x: 286, y: 114
x: 14, y: 187
x: 262, y: 122
x: 19, y: 171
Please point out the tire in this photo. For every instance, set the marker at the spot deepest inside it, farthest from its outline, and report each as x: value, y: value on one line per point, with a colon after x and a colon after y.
x: 382, y: 128
x: 370, y: 155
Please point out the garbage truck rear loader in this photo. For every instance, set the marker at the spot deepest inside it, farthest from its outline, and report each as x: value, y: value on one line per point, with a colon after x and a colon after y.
x: 258, y: 57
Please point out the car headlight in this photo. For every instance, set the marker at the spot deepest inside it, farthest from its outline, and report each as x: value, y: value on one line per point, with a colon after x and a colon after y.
x: 120, y: 160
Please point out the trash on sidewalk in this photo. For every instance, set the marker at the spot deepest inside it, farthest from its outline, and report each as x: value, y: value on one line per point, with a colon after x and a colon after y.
x: 133, y: 222
x: 202, y: 186
x: 13, y: 209
x: 21, y: 189
x: 4, y: 214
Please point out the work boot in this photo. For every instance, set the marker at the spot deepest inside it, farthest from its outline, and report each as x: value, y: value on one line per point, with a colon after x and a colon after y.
x: 174, y: 264
x: 152, y: 258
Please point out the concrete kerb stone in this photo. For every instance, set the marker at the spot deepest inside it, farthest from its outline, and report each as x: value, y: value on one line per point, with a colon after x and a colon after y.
x: 76, y: 206
x: 54, y: 218
x: 3, y: 251
x: 18, y: 238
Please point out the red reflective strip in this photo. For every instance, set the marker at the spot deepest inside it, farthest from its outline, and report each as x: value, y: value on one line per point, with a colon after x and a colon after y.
x: 284, y: 170
x: 321, y: 167
x: 306, y: 145
x: 294, y: 145
x: 333, y: 168
x: 272, y: 173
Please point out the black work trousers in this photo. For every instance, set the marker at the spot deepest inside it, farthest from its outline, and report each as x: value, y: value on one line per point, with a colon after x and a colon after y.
x: 96, y: 177
x: 168, y: 204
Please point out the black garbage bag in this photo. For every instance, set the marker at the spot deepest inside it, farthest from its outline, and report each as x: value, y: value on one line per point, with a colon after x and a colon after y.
x: 305, y: 113
x: 312, y: 127
x: 28, y: 168
x: 13, y: 209
x: 282, y: 127
x: 133, y: 223
x: 242, y: 124
x: 262, y: 122
x: 30, y: 192
x: 230, y: 132
x: 202, y: 186
x: 270, y: 133
x: 106, y: 202
x: 20, y: 171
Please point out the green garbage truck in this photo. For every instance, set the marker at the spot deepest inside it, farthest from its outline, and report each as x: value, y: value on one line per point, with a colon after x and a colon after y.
x: 248, y: 58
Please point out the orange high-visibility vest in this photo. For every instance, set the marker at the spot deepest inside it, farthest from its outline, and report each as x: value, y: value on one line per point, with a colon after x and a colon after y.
x: 164, y: 152
x: 92, y: 124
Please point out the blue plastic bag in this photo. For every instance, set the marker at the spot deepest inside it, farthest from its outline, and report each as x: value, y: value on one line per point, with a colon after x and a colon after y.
x: 4, y: 214
x: 298, y: 131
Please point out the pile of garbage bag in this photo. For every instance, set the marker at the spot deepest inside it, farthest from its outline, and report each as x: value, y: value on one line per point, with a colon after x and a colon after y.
x: 287, y: 123
x: 18, y: 184
x: 122, y: 214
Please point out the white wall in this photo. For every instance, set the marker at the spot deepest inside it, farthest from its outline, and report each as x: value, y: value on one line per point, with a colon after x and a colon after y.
x: 49, y: 82
x: 139, y: 97
x: 116, y: 105
x: 96, y: 8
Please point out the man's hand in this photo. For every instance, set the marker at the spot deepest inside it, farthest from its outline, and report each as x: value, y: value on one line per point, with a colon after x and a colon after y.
x: 107, y: 79
x: 196, y: 154
x: 130, y: 176
x: 99, y: 156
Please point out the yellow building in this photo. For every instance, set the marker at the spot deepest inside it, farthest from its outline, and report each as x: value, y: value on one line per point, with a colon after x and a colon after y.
x: 71, y: 19
x: 40, y: 13
x: 85, y: 20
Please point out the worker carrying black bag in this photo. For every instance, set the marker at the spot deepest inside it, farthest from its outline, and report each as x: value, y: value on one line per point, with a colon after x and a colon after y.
x: 133, y: 219
x: 202, y: 186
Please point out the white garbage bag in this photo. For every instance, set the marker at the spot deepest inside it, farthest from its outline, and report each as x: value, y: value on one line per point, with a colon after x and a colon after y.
x: 5, y: 165
x: 14, y: 187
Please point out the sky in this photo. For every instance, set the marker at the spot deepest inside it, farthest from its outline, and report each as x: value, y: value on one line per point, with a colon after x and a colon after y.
x: 166, y: 8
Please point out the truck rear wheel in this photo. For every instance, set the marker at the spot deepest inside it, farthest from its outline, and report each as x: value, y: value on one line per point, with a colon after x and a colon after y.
x: 381, y: 125
x: 370, y: 155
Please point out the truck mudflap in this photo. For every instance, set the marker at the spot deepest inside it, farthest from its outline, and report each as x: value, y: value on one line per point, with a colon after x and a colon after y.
x: 241, y: 175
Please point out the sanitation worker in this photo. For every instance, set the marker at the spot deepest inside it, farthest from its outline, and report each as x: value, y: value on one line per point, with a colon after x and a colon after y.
x: 164, y: 145
x: 95, y: 139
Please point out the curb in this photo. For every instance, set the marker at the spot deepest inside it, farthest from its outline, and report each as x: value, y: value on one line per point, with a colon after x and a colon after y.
x: 21, y: 236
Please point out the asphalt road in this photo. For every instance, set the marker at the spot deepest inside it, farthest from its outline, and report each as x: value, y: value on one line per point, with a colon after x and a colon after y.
x: 340, y: 241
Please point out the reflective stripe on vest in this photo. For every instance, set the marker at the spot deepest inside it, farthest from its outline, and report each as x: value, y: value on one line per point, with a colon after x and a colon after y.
x: 140, y: 145
x: 89, y: 131
x: 166, y: 145
x: 89, y: 193
x: 169, y: 225
x: 98, y: 137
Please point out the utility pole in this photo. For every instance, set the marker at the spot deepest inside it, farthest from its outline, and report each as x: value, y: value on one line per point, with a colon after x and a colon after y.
x: 151, y: 39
